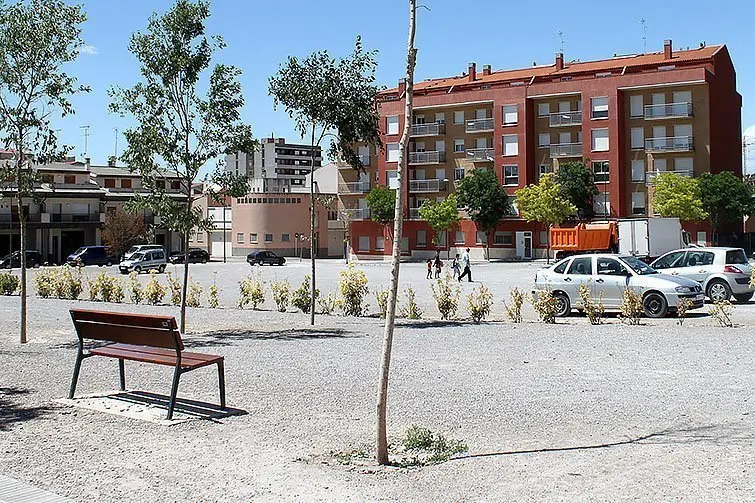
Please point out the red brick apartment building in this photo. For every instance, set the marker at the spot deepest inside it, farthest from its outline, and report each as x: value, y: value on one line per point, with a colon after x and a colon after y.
x: 627, y: 117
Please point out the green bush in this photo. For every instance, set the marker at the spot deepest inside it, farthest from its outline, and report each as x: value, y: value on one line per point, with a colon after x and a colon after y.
x: 301, y: 296
x: 154, y: 292
x: 194, y: 295
x: 281, y: 294
x: 411, y: 310
x: 251, y: 291
x: 479, y: 303
x: 213, y: 297
x: 352, y: 289
x: 329, y: 304
x: 45, y: 282
x: 446, y: 295
x: 69, y: 284
x: 594, y: 310
x: 545, y: 305
x: 175, y: 290
x: 631, y: 307
x: 135, y: 288
x: 423, y: 447
x: 381, y: 297
x: 9, y: 283
x: 721, y: 311
x: 514, y: 311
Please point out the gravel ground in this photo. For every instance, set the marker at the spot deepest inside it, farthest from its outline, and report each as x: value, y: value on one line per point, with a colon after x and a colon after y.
x: 569, y: 412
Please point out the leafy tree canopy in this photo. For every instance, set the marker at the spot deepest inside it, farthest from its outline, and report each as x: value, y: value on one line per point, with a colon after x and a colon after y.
x: 122, y: 230
x: 678, y: 196
x: 544, y: 202
x: 725, y: 198
x: 440, y: 216
x: 578, y: 186
x: 382, y: 204
x: 484, y: 198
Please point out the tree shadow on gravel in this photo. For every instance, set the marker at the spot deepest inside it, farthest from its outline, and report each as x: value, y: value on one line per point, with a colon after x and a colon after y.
x: 430, y: 323
x: 712, y: 434
x: 11, y: 410
x: 233, y: 337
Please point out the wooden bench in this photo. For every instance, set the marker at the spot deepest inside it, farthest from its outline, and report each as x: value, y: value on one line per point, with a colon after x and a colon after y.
x: 141, y: 338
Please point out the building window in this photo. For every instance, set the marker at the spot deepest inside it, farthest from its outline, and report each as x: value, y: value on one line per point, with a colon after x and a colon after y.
x: 636, y: 106
x: 638, y: 138
x: 459, y: 117
x: 511, y: 175
x: 544, y: 140
x: 380, y: 243
x: 600, y: 171
x: 421, y: 238
x: 685, y: 165
x: 459, y: 238
x: 543, y: 109
x: 391, y: 125
x: 160, y: 184
x: 543, y: 169
x: 543, y: 238
x: 600, y: 108
x: 504, y: 238
x: 638, y: 170
x: 253, y: 237
x: 510, y: 115
x: 126, y: 183
x: 480, y: 238
x: 391, y: 152
x: 458, y: 173
x: 268, y: 238
x: 69, y: 179
x: 364, y: 243
x: 601, y: 204
x: 510, y: 144
x: 109, y: 183
x: 459, y: 145
x: 286, y: 238
x: 638, y: 203
x: 200, y: 237
x: 599, y: 140
x: 240, y: 238
x: 440, y: 118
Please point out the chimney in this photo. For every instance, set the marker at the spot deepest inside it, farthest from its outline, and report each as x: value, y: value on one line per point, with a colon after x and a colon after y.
x: 111, y: 161
x: 559, y: 61
x: 87, y: 162
x: 486, y: 70
x: 472, y: 72
x: 401, y: 86
x: 667, y: 52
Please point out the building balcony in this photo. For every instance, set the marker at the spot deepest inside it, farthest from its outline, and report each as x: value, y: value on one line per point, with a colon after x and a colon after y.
x: 364, y: 159
x: 560, y: 119
x: 479, y: 125
x: 668, y: 110
x: 353, y: 187
x: 669, y: 144
x: 358, y: 213
x: 432, y: 185
x: 432, y: 129
x: 650, y: 175
x: 566, y: 150
x: 72, y: 217
x: 432, y: 157
x: 481, y: 154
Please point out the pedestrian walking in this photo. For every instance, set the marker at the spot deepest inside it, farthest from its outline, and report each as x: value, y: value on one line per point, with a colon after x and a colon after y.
x: 467, y: 271
x: 429, y: 268
x: 455, y: 266
x: 438, y: 264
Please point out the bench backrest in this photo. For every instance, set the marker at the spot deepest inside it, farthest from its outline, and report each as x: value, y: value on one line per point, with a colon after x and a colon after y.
x: 127, y: 328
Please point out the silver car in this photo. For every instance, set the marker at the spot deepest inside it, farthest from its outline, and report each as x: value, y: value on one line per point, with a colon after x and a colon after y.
x: 144, y: 261
x: 610, y: 275
x: 722, y: 272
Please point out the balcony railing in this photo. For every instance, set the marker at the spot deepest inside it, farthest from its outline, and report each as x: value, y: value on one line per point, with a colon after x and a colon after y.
x: 481, y: 154
x: 432, y: 185
x: 358, y: 213
x: 74, y: 217
x: 432, y: 129
x: 566, y: 150
x: 354, y: 187
x: 414, y: 214
x: 559, y: 119
x: 432, y: 157
x: 669, y: 144
x: 667, y: 110
x: 364, y: 159
x: 478, y: 125
x: 650, y: 175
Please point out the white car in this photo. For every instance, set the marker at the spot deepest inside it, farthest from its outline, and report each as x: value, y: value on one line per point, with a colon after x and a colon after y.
x: 610, y: 275
x: 722, y: 272
x: 144, y: 261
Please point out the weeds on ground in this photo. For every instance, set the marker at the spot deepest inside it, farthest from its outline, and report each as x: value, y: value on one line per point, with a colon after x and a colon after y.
x: 281, y: 294
x: 135, y: 288
x: 302, y: 295
x: 329, y: 304
x: 594, y: 310
x: 9, y: 283
x: 175, y: 290
x: 545, y: 305
x: 381, y: 297
x: 154, y: 292
x: 446, y: 295
x: 411, y: 310
x: 251, y: 291
x: 721, y: 312
x: 479, y: 303
x: 681, y: 310
x: 194, y: 295
x: 352, y: 289
x: 421, y: 447
x: 353, y: 456
x: 514, y: 311
x: 630, y: 307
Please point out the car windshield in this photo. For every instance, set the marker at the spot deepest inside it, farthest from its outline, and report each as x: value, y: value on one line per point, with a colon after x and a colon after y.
x: 133, y: 249
x: 736, y: 257
x: 137, y: 256
x: 638, y: 266
x: 80, y: 250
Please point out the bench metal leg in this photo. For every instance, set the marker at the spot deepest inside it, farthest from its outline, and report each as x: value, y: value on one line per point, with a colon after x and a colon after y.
x: 173, y: 392
x: 76, y: 369
x: 122, y: 372
x: 221, y: 383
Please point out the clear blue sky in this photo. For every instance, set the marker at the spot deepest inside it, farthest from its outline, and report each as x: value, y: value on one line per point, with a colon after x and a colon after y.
x: 261, y: 34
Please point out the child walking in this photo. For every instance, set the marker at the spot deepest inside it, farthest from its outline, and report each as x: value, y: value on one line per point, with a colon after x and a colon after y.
x: 429, y: 268
x: 455, y: 266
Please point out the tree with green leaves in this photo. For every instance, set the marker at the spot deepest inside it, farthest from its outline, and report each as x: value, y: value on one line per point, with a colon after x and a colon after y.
x: 178, y: 128
x: 330, y: 97
x: 544, y: 203
x: 485, y: 200
x: 578, y: 186
x: 382, y: 203
x: 726, y: 198
x: 678, y: 196
x: 38, y: 39
x: 440, y: 216
x: 224, y: 185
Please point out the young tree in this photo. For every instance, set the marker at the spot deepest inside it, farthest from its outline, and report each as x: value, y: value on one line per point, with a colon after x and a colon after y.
x: 678, y: 196
x: 123, y: 230
x: 329, y: 97
x: 176, y: 126
x: 382, y: 204
x: 224, y: 184
x: 578, y: 186
x: 485, y: 200
x: 37, y: 39
x: 544, y: 203
x: 441, y: 216
x: 725, y: 198
x: 398, y: 222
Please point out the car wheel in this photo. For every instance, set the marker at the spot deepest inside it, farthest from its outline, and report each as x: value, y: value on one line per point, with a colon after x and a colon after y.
x: 655, y: 305
x: 161, y: 269
x: 204, y: 260
x: 563, y: 306
x: 138, y: 270
x: 109, y: 263
x: 718, y: 291
x: 744, y: 297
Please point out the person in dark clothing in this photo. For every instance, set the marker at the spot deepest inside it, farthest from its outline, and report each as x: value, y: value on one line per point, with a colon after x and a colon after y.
x: 429, y: 268
x: 438, y: 264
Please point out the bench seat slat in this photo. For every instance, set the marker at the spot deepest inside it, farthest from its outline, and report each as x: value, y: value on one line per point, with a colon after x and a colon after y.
x: 157, y: 356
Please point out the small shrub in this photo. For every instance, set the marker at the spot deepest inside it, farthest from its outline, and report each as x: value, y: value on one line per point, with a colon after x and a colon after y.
x: 68, y: 284
x: 423, y: 447
x: 381, y: 297
x: 175, y: 290
x: 94, y: 287
x: 514, y: 311
x: 135, y: 288
x: 154, y: 292
x: 213, y: 300
x: 721, y: 312
x: 752, y: 278
x: 545, y: 305
x: 594, y: 310
x: 281, y: 294
x: 479, y: 303
x: 194, y: 295
x: 301, y: 296
x: 45, y: 282
x: 681, y: 310
x: 9, y: 283
x: 631, y: 307
x: 329, y: 304
x: 352, y: 288
x: 411, y: 310
x: 115, y: 291
x: 251, y: 291
x: 446, y: 296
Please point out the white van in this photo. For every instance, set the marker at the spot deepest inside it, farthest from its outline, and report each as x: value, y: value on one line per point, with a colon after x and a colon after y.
x: 140, y: 248
x: 144, y: 261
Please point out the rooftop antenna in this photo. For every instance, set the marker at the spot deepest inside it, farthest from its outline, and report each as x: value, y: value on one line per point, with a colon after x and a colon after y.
x: 85, y: 132
x: 644, y: 24
x: 115, y: 154
x: 561, y: 38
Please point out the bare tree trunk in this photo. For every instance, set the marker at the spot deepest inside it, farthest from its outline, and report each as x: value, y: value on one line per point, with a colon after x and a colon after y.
x: 312, y: 229
x: 185, y: 287
x: 385, y: 363
x: 548, y: 245
x: 22, y: 246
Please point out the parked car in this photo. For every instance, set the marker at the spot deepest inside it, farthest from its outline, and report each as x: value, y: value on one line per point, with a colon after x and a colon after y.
x: 264, y: 257
x: 140, y: 248
x: 92, y: 255
x: 144, y: 261
x: 33, y: 259
x: 610, y: 275
x: 722, y: 272
x: 196, y: 256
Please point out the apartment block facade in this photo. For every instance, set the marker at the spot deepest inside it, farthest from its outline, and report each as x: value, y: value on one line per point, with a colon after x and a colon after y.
x: 627, y: 118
